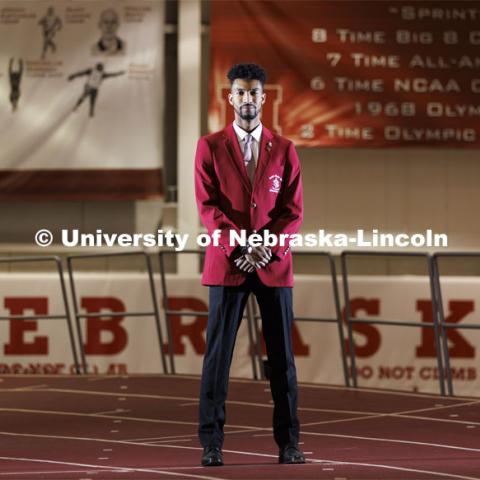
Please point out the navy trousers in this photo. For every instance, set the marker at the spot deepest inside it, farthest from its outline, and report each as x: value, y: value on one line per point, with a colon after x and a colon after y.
x: 225, y: 314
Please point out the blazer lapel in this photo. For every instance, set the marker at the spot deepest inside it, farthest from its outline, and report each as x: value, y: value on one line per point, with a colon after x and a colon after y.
x: 264, y: 153
x: 233, y: 148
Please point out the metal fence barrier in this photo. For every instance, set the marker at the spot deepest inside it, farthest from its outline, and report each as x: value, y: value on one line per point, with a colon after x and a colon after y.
x: 438, y: 324
x: 351, y: 321
x: 65, y: 316
x: 152, y: 313
x: 338, y: 312
x: 441, y: 312
x: 194, y: 313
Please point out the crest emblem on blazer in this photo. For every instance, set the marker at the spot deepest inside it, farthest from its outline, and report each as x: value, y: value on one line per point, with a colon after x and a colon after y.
x: 275, y: 183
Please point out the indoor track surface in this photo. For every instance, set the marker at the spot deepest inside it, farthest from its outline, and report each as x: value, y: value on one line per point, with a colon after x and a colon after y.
x: 144, y: 427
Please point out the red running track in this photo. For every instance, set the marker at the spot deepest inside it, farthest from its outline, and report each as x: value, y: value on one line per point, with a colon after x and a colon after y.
x: 144, y: 427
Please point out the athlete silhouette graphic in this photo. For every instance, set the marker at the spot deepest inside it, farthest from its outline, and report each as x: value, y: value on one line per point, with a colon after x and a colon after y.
x: 95, y: 76
x: 50, y: 24
x: 15, y: 76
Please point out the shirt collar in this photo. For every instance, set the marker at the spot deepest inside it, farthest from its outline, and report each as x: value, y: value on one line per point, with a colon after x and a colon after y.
x: 241, y: 133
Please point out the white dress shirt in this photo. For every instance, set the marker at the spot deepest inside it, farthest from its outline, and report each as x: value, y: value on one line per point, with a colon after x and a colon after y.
x: 256, y: 135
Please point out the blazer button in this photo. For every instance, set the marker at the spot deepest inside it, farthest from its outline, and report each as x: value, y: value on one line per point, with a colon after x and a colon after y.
x: 254, y: 205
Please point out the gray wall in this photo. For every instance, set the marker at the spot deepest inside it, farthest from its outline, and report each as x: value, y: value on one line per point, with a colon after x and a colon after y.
x: 394, y: 190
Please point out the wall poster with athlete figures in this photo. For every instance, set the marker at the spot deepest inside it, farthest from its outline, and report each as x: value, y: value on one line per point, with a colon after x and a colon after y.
x: 81, y: 99
x: 351, y: 73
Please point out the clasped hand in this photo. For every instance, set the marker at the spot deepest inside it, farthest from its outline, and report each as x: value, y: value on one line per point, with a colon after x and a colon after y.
x: 257, y: 257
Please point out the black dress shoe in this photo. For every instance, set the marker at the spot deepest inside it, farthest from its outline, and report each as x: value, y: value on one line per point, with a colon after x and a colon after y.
x: 212, y: 457
x: 290, y: 454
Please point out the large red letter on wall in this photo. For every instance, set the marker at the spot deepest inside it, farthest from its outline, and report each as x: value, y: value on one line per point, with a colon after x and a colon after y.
x: 460, y: 347
x: 17, y: 344
x: 192, y: 330
x: 95, y: 326
x: 371, y: 333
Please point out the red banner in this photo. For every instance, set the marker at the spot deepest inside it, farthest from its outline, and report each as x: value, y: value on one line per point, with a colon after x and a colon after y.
x: 355, y: 73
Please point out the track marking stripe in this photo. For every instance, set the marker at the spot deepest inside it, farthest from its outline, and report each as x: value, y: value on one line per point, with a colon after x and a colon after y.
x: 110, y: 417
x: 189, y: 400
x: 443, y: 407
x: 341, y: 420
x: 46, y: 472
x: 167, y: 472
x: 194, y: 401
x: 408, y: 442
x: 181, y: 436
x: 116, y: 469
x: 28, y: 387
x: 393, y: 440
x: 92, y: 377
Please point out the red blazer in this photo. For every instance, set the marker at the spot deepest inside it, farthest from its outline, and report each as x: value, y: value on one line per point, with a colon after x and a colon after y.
x: 226, y: 200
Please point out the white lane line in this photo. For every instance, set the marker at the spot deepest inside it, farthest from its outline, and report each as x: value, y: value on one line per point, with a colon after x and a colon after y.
x: 261, y: 405
x: 117, y: 410
x: 392, y: 415
x: 58, y: 472
x: 439, y: 407
x: 27, y: 387
x: 198, y: 467
x: 112, y: 469
x: 92, y: 377
x: 244, y: 428
x: 404, y: 414
x: 442, y: 475
x: 190, y: 435
x: 329, y: 461
x: 169, y: 441
x: 370, y: 415
x: 442, y: 420
x: 432, y: 396
x: 194, y: 401
x: 342, y: 420
x: 393, y: 440
x: 388, y: 467
x: 153, y: 439
x: 123, y: 442
x: 135, y: 419
x: 112, y: 394
x: 98, y: 378
x: 188, y: 404
x: 335, y: 462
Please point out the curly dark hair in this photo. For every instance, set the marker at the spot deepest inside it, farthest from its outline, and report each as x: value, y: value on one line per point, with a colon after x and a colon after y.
x: 247, y: 71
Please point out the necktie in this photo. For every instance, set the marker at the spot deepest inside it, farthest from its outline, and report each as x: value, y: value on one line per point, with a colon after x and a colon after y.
x: 248, y: 157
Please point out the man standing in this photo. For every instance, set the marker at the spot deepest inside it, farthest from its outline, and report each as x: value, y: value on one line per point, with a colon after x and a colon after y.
x: 248, y: 178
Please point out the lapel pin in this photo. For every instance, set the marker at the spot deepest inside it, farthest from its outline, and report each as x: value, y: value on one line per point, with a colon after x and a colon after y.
x: 269, y: 146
